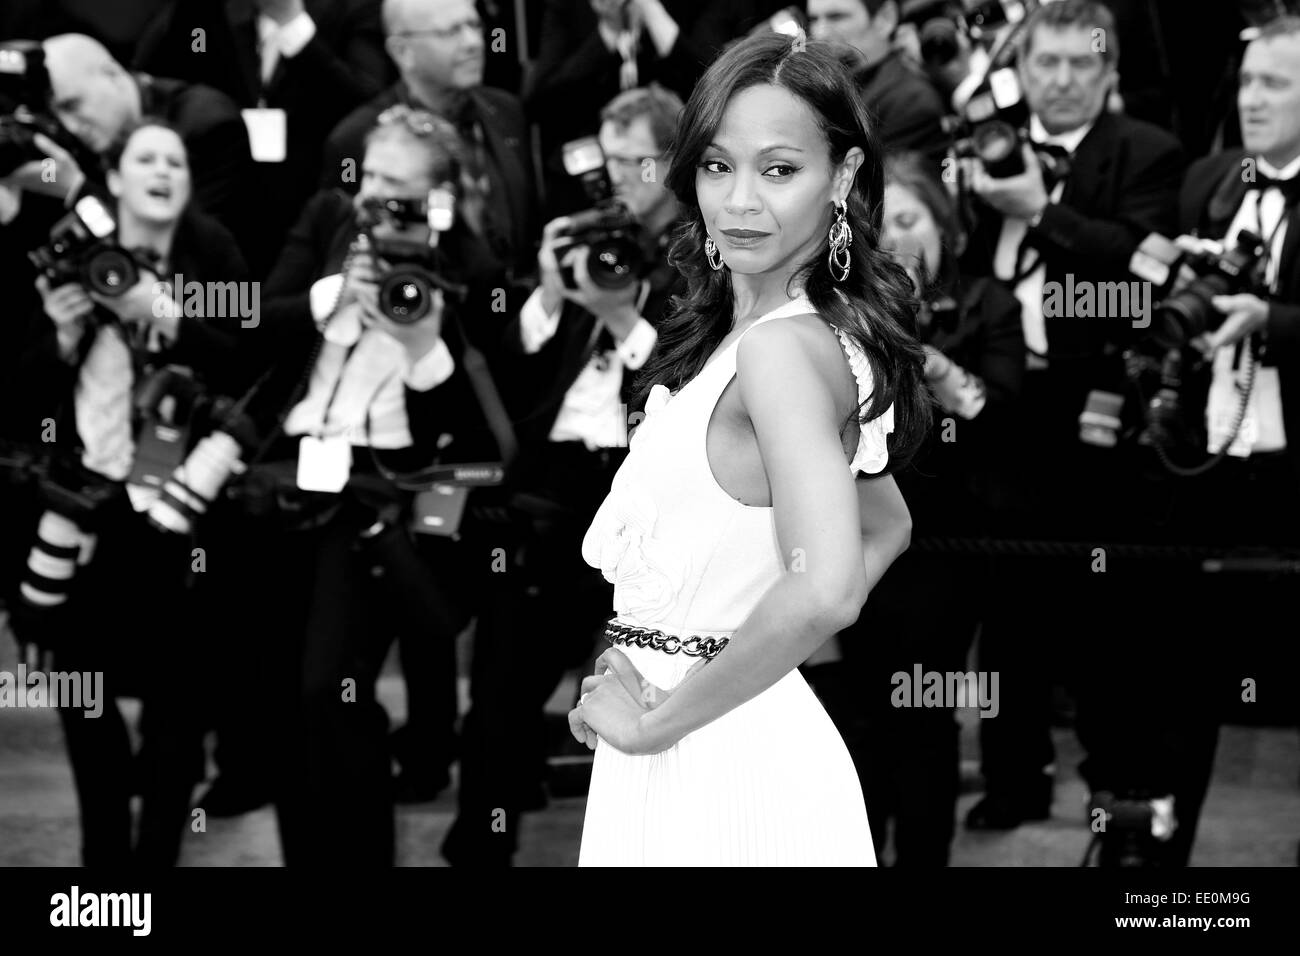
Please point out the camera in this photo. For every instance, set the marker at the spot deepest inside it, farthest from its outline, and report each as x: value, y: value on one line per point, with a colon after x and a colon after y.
x: 404, y: 233
x: 608, y: 230
x: 73, y: 497
x: 24, y: 92
x: 82, y: 249
x: 188, y: 490
x: 24, y: 103
x: 1178, y: 317
x: 992, y: 125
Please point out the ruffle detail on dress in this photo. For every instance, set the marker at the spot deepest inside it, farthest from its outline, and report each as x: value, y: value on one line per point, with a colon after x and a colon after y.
x: 647, y: 574
x: 873, y: 451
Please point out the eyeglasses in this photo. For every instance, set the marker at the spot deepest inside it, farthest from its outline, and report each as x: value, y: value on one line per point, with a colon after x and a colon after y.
x: 419, y: 122
x: 445, y: 33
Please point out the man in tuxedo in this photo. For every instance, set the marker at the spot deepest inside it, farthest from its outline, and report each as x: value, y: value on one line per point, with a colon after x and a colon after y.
x: 439, y: 49
x: 1031, y: 230
x: 907, y: 108
x: 1252, y: 497
x: 581, y: 346
x: 294, y: 67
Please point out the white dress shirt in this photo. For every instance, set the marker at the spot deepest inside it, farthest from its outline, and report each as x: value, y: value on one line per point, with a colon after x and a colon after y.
x: 593, y: 411
x: 1261, y: 429
x: 1029, y: 290
x: 360, y: 369
x: 276, y: 40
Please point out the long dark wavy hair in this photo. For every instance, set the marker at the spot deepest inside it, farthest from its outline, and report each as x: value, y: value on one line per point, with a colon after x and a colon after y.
x: 877, y: 307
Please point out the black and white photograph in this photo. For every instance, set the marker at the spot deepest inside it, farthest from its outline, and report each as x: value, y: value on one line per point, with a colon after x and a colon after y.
x: 650, y: 433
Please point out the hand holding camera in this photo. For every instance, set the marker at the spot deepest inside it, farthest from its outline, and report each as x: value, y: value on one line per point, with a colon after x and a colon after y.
x: 418, y: 337
x: 146, y: 304
x: 66, y: 305
x: 1022, y: 196
x: 33, y: 176
x: 1246, y: 314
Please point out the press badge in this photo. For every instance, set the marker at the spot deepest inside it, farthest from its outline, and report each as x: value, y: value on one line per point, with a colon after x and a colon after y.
x: 324, y: 464
x: 267, y: 134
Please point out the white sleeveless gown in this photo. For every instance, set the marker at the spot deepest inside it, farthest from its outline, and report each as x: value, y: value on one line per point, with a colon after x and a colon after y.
x: 770, y: 783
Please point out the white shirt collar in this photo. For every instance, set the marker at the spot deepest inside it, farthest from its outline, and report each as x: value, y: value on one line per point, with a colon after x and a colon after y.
x: 1069, y: 140
x: 1289, y: 171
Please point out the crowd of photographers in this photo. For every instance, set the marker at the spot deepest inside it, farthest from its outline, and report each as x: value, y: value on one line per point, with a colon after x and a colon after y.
x: 322, y: 319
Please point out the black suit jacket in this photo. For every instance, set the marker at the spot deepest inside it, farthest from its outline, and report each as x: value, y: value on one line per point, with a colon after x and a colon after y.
x: 907, y: 108
x: 445, y: 419
x: 1122, y: 185
x: 510, y: 168
x: 342, y: 66
x: 1211, y: 195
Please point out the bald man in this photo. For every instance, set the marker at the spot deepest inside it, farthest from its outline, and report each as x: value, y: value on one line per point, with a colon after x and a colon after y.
x: 96, y: 98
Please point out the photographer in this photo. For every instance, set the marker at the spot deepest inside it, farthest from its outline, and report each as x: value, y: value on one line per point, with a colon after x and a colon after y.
x: 582, y: 343
x: 1249, y: 500
x: 1115, y: 181
x: 372, y: 393
x: 91, y: 355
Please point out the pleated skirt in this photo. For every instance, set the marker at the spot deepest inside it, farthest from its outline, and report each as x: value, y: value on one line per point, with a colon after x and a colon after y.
x: 768, y: 784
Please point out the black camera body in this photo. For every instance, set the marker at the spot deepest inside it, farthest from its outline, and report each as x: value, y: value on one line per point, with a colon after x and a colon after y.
x: 83, y: 248
x: 24, y: 110
x: 1178, y: 317
x: 993, y: 125
x: 608, y: 230
x: 404, y: 233
x: 24, y: 93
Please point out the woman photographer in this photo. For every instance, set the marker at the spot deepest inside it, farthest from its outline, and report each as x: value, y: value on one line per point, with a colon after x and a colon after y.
x: 970, y: 330
x: 91, y: 359
x: 357, y: 390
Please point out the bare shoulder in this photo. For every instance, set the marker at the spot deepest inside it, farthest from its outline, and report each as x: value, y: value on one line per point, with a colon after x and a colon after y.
x: 792, y: 349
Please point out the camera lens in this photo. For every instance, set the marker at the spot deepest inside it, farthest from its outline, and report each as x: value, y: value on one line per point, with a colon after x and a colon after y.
x: 614, y: 263
x: 998, y: 147
x: 109, y: 272
x: 938, y: 39
x: 1187, y: 314
x: 406, y: 296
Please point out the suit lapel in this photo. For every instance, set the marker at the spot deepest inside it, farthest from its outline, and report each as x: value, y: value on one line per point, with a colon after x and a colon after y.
x: 1090, y: 166
x: 242, y: 17
x: 505, y: 168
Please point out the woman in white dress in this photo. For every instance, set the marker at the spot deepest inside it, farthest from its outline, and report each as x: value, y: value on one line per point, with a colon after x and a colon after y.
x: 735, y: 534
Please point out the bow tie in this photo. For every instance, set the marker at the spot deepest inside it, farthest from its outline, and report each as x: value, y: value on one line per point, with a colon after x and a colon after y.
x: 1290, y: 187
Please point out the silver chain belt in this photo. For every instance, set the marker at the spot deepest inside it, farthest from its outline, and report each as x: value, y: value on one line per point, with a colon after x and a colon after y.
x: 706, y: 647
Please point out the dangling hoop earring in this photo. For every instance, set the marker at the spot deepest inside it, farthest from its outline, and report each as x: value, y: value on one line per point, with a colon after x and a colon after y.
x: 712, y: 254
x: 838, y: 260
